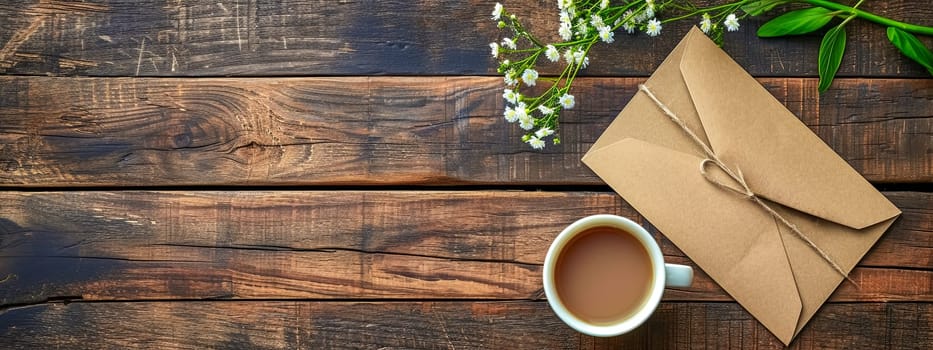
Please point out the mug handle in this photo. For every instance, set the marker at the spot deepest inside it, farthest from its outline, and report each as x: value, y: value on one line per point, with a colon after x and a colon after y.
x: 678, y: 275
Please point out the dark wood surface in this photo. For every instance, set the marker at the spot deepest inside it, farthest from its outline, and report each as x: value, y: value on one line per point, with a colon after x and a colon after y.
x: 299, y: 174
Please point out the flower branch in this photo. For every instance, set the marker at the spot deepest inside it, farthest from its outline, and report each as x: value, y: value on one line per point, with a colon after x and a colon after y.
x: 585, y: 23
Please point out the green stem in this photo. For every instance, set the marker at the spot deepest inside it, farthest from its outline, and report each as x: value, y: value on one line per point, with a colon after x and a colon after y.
x: 733, y: 5
x: 916, y: 29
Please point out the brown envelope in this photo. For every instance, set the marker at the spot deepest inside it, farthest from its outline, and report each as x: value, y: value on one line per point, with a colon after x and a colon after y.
x: 655, y: 166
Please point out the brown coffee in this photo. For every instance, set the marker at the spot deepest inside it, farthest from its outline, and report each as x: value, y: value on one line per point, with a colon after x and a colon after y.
x: 603, y: 275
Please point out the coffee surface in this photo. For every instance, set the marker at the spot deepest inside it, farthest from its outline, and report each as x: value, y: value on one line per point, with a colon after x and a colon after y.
x: 603, y: 275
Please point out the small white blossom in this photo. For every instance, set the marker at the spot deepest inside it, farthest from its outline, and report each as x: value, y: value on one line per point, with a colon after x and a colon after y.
x: 706, y: 24
x: 521, y: 110
x: 526, y: 122
x: 564, y: 4
x: 497, y: 12
x: 603, y: 4
x: 510, y: 114
x: 649, y: 9
x: 511, y: 96
x: 731, y: 22
x: 597, y: 21
x: 544, y: 132
x: 545, y: 110
x: 495, y: 49
x: 606, y: 34
x: 566, y: 101
x: 566, y: 33
x: 552, y: 54
x: 568, y: 56
x: 579, y: 58
x: 530, y: 76
x: 509, y: 77
x: 654, y: 27
x: 536, y: 142
x: 509, y: 43
x: 582, y: 27
x: 629, y: 24
x: 564, y: 17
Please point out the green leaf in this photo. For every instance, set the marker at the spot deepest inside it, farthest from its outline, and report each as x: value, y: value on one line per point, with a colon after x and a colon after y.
x: 831, y: 50
x: 796, y: 22
x: 911, y: 47
x: 756, y: 8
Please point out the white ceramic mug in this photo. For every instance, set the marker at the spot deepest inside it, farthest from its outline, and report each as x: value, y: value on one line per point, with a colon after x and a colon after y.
x: 671, y: 274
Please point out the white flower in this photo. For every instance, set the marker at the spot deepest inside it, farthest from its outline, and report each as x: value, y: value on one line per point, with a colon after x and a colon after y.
x: 545, y: 110
x: 649, y: 9
x: 536, y: 142
x: 564, y: 17
x: 578, y: 58
x: 566, y: 101
x: 654, y: 27
x: 566, y: 33
x: 629, y: 24
x: 509, y: 77
x: 510, y: 114
x: 495, y: 49
x: 552, y: 54
x: 511, y: 96
x: 564, y: 4
x: 509, y: 43
x: 497, y: 12
x: 606, y: 34
x: 582, y: 28
x: 597, y: 21
x: 521, y: 111
x: 568, y: 56
x: 544, y: 132
x: 603, y: 4
x: 732, y: 23
x: 526, y: 122
x: 530, y: 76
x: 705, y: 23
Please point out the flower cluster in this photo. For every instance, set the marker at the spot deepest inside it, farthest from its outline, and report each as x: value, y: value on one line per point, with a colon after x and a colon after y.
x: 582, y: 24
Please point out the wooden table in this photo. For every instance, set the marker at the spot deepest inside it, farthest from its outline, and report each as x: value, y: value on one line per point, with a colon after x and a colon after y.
x: 298, y: 174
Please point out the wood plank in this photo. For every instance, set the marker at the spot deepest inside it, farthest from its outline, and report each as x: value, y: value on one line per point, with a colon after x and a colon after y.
x: 382, y: 130
x: 350, y: 244
x: 441, y: 325
x: 301, y: 37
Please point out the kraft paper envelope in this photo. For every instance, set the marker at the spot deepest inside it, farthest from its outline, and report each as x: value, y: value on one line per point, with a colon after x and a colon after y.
x: 652, y: 163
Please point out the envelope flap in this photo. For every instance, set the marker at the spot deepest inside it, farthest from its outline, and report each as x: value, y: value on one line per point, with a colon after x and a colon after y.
x: 641, y: 118
x: 734, y: 241
x: 782, y: 160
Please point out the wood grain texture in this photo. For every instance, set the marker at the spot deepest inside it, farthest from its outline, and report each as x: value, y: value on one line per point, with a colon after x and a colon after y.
x: 302, y: 37
x: 383, y: 130
x: 441, y: 325
x: 350, y: 245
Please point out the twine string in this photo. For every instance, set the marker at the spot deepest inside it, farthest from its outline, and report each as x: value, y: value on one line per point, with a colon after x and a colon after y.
x: 743, y: 189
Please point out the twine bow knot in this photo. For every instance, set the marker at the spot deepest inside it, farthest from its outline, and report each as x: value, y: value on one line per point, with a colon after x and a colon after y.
x: 743, y: 189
